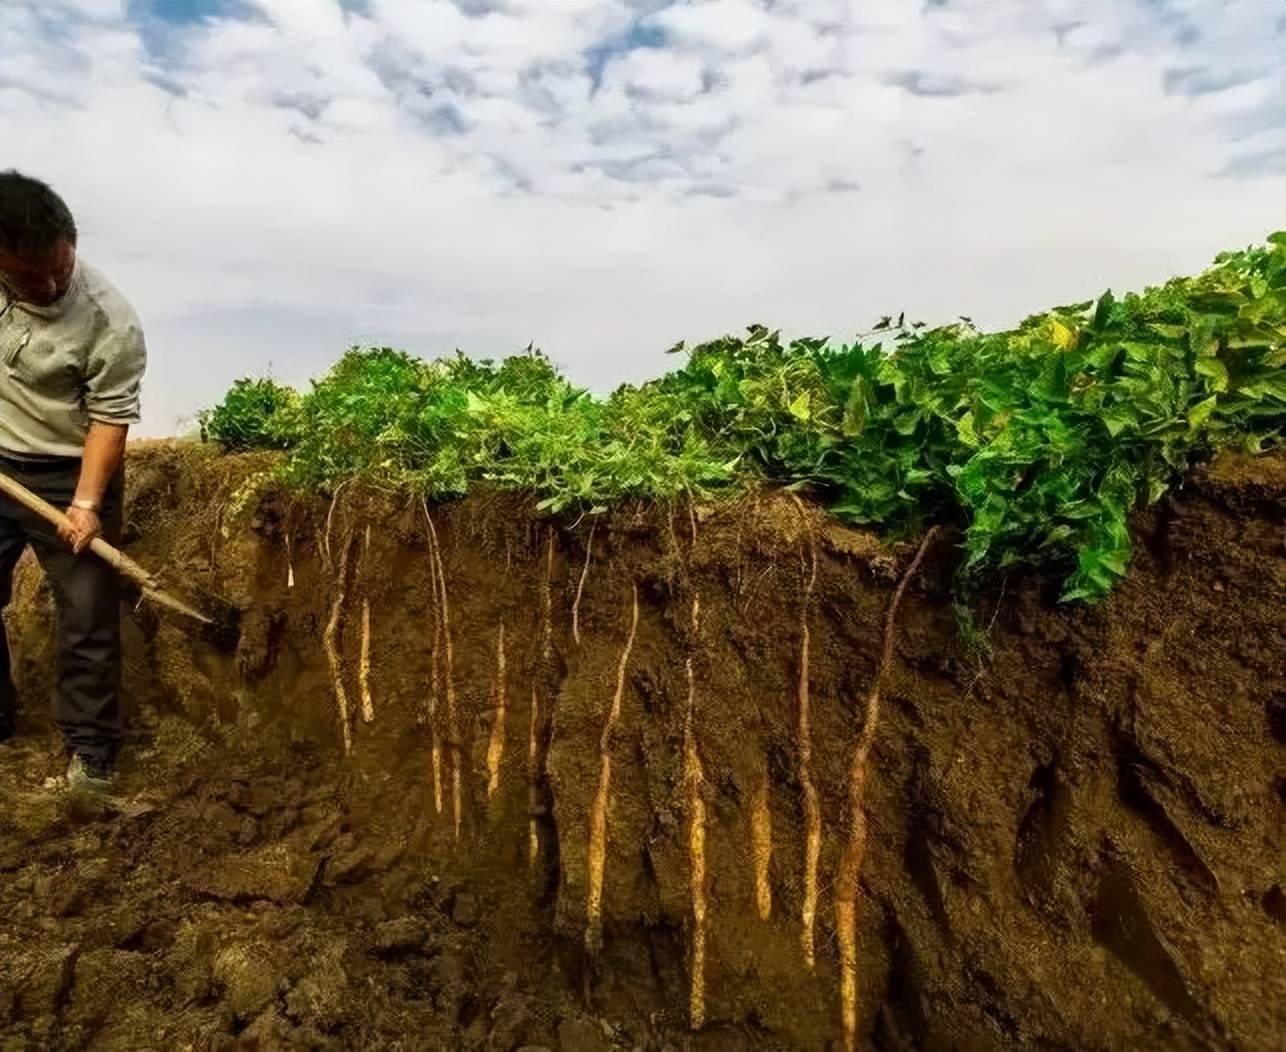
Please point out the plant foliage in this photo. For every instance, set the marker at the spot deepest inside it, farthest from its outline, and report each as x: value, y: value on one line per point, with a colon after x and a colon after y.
x: 254, y: 414
x: 1039, y: 440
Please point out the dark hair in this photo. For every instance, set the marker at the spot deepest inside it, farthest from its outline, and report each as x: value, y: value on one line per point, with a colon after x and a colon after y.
x: 33, y: 219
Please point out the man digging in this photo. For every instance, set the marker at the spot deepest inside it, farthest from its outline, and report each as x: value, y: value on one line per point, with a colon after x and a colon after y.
x: 71, y: 361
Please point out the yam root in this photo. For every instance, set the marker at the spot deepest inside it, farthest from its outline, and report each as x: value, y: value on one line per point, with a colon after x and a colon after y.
x: 811, y: 802
x: 331, y: 644
x: 596, y: 855
x: 694, y: 781
x: 847, y: 889
x: 496, y: 745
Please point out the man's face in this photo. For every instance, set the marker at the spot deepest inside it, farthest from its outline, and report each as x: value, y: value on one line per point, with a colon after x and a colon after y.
x: 40, y: 282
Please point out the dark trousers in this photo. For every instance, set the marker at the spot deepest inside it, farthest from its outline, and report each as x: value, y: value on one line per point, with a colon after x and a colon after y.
x: 86, y: 598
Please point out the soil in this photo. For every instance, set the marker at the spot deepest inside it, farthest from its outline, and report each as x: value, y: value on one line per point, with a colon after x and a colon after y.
x: 1074, y: 832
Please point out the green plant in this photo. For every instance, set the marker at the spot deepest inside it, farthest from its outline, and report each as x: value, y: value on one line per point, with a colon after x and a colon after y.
x: 1038, y: 440
x: 254, y: 414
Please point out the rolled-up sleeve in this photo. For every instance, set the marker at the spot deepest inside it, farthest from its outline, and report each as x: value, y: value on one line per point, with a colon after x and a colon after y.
x: 114, y: 375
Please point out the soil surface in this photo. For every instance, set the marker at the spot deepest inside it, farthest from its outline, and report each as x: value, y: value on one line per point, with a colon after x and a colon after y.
x: 1073, y: 828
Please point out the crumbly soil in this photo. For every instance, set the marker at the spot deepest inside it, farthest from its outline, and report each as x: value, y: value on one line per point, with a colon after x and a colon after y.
x: 1074, y: 836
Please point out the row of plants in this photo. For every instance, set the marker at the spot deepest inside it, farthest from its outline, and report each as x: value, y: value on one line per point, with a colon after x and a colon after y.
x: 1039, y: 441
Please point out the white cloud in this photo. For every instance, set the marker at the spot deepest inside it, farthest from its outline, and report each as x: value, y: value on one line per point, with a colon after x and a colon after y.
x: 730, y: 28
x: 272, y: 183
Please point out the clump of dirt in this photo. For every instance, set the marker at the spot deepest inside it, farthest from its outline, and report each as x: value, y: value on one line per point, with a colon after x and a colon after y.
x: 576, y: 813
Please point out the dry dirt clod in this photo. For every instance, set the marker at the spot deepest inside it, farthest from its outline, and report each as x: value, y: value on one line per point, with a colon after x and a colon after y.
x: 318, y: 999
x: 250, y: 973
x: 581, y: 1035
x: 276, y: 873
x: 190, y: 959
x: 269, y: 1029
x: 465, y: 909
x: 401, y: 934
x: 47, y: 979
x: 349, y: 864
x: 510, y: 1022
x: 105, y: 978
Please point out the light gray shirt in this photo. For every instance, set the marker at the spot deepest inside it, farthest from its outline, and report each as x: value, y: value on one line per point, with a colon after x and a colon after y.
x: 63, y: 366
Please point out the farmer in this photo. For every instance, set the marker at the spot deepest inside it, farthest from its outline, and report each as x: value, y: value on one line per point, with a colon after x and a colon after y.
x: 71, y: 358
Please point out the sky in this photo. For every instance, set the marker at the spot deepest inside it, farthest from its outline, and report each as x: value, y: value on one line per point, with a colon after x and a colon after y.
x: 272, y: 182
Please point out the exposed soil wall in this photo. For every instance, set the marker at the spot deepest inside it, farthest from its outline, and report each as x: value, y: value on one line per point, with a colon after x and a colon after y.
x: 1073, y: 842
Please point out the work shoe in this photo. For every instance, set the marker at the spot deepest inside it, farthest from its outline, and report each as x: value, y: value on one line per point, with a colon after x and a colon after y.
x: 90, y: 778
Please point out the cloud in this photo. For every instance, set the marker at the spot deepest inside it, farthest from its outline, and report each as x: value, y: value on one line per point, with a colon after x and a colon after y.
x: 1270, y: 161
x: 639, y: 34
x: 271, y: 181
x: 1198, y: 80
x: 928, y: 85
x: 1062, y: 30
x: 727, y: 28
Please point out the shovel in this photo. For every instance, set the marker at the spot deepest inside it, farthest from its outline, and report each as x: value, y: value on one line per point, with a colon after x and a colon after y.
x: 116, y: 559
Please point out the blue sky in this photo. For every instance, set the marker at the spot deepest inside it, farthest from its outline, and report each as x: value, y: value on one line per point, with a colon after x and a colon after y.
x: 270, y: 182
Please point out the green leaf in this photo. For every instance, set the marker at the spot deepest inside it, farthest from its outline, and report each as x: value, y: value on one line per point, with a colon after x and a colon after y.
x: 1200, y: 412
x: 1103, y: 311
x: 1216, y: 370
x: 1117, y: 420
x: 799, y: 408
x: 1201, y: 338
x: 1224, y: 302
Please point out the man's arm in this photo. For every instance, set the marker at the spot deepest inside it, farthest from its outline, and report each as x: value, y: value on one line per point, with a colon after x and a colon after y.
x: 104, y: 451
x: 113, y: 371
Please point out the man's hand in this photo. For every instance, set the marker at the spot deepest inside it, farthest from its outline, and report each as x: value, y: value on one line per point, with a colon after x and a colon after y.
x: 82, y: 527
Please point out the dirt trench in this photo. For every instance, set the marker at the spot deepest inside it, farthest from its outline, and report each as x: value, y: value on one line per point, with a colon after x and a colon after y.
x: 1072, y: 840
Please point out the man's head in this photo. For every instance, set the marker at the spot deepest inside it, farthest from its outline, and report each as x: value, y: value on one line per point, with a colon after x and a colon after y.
x: 37, y: 240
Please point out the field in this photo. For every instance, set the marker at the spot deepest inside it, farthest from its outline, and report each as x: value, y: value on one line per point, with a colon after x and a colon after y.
x: 882, y: 695
x: 1039, y: 441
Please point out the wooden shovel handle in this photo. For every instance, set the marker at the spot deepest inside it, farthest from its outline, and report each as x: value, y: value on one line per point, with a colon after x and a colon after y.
x: 117, y: 559
x: 114, y: 557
